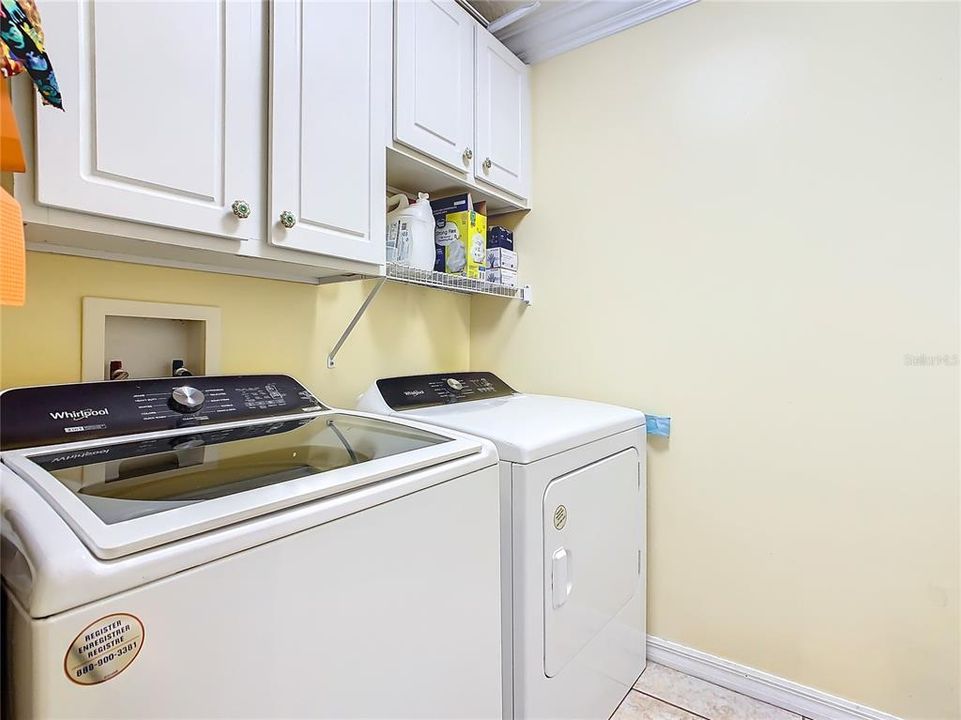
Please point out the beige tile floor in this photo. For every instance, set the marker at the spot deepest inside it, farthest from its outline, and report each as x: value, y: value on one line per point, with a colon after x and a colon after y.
x: 665, y: 694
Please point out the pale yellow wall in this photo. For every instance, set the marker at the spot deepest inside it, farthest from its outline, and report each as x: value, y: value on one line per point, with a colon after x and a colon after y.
x: 268, y: 325
x: 746, y: 217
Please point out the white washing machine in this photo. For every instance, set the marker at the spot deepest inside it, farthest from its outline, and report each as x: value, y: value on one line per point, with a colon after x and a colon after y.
x: 573, y: 534
x: 232, y: 548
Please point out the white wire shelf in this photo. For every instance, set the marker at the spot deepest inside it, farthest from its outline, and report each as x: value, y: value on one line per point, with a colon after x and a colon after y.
x: 429, y: 278
x: 457, y: 283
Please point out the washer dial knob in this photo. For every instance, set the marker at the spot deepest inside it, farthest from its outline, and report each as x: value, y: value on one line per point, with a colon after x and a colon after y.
x: 186, y: 399
x: 455, y: 384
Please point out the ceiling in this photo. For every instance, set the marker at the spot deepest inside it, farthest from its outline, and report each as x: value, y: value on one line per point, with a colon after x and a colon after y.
x: 556, y: 26
x: 493, y: 9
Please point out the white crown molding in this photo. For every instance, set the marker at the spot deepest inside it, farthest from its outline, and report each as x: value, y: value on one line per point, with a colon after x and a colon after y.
x: 561, y: 26
x: 757, y: 684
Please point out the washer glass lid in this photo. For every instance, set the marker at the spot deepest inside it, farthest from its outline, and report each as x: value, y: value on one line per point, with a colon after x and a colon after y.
x: 134, y: 479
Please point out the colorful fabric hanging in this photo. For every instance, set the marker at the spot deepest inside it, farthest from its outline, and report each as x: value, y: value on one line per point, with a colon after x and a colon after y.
x: 11, y: 150
x: 21, y: 48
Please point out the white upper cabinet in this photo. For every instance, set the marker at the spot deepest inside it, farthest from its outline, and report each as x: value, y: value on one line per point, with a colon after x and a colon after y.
x: 502, y: 153
x: 460, y: 98
x: 160, y: 124
x: 327, y: 111
x: 188, y: 134
x: 434, y: 80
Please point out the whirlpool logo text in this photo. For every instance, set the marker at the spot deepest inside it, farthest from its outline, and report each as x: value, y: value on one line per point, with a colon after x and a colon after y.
x: 78, y: 414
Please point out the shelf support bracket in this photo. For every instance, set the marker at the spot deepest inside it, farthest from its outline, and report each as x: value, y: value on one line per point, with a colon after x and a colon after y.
x: 353, y: 323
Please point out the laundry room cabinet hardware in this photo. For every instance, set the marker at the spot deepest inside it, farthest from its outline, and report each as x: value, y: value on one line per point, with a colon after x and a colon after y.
x: 241, y: 208
x: 288, y: 219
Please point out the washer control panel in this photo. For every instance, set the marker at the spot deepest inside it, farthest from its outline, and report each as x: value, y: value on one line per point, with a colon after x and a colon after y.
x: 418, y: 391
x: 32, y: 417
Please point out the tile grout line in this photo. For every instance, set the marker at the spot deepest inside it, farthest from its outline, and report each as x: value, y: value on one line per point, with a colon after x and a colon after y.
x: 668, y: 702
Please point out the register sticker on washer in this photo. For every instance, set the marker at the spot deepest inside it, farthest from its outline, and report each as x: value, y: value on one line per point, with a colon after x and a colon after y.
x: 104, y: 649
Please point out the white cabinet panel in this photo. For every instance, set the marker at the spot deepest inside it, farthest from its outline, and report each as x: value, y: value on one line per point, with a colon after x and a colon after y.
x: 434, y: 80
x: 502, y: 156
x: 186, y: 138
x: 161, y: 114
x: 326, y: 127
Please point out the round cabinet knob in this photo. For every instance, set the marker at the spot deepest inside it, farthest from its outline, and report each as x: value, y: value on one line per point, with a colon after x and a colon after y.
x: 488, y: 165
x: 241, y: 208
x: 455, y: 384
x: 468, y: 155
x: 288, y: 219
x: 186, y: 399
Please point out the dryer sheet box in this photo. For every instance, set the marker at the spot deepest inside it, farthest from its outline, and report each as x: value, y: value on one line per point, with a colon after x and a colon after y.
x: 501, y: 258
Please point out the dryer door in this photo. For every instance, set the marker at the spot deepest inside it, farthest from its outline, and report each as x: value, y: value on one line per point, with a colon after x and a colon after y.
x: 592, y: 525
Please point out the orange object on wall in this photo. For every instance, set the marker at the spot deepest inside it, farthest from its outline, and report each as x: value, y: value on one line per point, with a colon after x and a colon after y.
x: 11, y: 151
x: 13, y: 261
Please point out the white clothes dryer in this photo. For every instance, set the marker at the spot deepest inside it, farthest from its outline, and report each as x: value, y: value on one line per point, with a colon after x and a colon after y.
x: 573, y: 534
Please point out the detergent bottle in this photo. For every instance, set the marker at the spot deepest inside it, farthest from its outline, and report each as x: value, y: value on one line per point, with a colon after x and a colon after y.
x: 410, y: 232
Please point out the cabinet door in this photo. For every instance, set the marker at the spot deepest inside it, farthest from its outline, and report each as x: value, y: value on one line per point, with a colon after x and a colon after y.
x: 162, y: 113
x: 503, y: 109
x: 434, y: 80
x: 328, y: 159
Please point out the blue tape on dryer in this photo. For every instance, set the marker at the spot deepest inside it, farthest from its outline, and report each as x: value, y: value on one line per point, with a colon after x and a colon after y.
x: 659, y: 425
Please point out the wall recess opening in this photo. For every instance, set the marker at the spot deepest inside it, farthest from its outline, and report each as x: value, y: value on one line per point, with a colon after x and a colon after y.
x: 145, y: 338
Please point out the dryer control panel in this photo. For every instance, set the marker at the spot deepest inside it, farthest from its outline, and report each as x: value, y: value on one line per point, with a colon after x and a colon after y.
x: 418, y: 391
x: 36, y: 416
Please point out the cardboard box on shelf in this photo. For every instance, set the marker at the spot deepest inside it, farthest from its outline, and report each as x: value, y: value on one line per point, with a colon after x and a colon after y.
x: 461, y: 229
x: 501, y: 258
x: 500, y: 237
x: 500, y: 276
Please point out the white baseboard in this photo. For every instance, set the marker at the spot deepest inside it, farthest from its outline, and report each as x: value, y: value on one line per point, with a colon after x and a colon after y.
x: 759, y: 685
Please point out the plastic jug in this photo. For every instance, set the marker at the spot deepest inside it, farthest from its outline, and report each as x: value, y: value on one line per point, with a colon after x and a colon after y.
x: 410, y: 232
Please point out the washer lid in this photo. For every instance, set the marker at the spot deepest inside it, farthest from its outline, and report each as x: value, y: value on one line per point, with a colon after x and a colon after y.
x: 526, y: 428
x: 123, y: 497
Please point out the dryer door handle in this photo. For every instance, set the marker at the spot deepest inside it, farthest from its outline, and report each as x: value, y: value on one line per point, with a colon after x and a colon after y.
x: 562, y: 576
